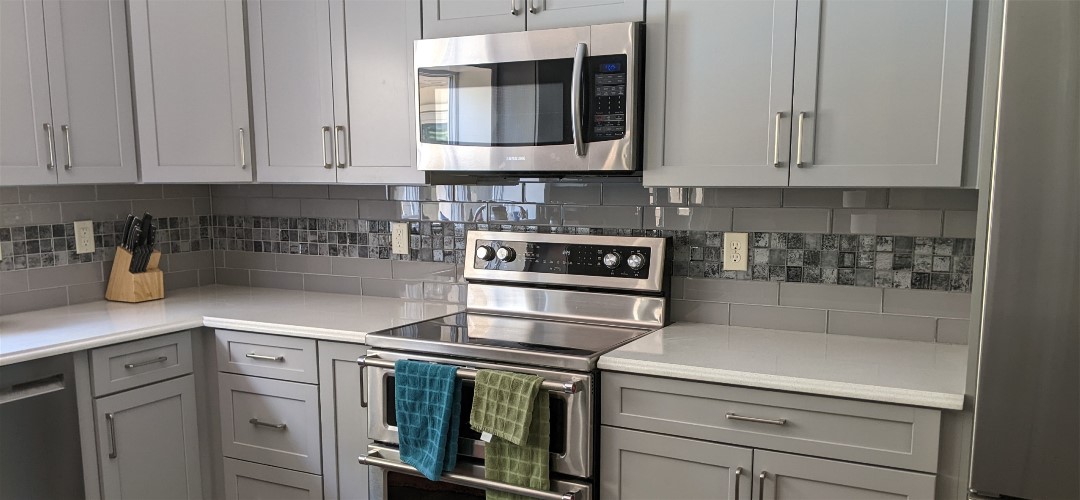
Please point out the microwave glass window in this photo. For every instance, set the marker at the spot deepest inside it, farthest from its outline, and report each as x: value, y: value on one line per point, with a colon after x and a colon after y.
x: 525, y: 103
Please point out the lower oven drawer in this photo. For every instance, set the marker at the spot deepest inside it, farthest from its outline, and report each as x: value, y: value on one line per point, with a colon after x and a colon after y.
x: 389, y: 478
x: 271, y: 422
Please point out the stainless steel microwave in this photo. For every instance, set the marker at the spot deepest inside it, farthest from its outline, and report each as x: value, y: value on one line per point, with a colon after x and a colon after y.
x: 541, y: 102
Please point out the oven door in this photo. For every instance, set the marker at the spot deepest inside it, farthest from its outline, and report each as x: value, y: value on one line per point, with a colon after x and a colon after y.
x: 551, y: 100
x: 390, y: 479
x: 572, y: 415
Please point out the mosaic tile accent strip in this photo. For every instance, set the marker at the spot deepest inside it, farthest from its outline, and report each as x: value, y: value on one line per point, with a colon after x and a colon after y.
x: 879, y: 261
x: 49, y: 245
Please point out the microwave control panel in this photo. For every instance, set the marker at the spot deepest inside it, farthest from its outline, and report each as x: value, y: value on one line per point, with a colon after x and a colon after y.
x: 607, y: 103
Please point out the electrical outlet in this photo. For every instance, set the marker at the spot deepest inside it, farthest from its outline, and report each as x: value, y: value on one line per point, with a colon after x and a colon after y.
x: 399, y: 237
x: 84, y: 236
x: 735, y: 251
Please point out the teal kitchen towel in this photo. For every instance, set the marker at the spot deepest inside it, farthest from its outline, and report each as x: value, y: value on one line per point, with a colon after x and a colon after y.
x: 427, y: 400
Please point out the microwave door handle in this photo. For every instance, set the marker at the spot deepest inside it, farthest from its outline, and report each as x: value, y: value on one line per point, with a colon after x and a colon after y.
x: 576, y: 102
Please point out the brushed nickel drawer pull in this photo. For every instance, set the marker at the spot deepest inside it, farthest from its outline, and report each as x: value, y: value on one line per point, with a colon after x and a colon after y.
x: 109, y: 418
x: 67, y: 140
x: 779, y: 421
x: 159, y: 359
x: 761, y: 485
x: 255, y: 421
x: 252, y: 355
x: 738, y: 479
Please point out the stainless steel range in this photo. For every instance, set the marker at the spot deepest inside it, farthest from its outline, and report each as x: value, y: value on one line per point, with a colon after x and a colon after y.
x: 544, y: 304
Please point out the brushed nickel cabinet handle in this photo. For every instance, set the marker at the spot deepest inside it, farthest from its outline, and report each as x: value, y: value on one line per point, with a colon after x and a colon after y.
x: 264, y: 357
x: 243, y: 150
x: 738, y: 479
x: 776, y: 140
x: 137, y: 364
x: 339, y: 132
x: 798, y: 143
x: 533, y: 9
x: 52, y: 146
x: 325, y: 132
x: 66, y: 129
x: 513, y: 8
x: 779, y: 421
x: 761, y: 485
x: 109, y: 419
x: 255, y: 421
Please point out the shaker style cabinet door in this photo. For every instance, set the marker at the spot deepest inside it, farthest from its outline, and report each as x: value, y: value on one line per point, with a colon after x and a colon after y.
x: 548, y: 14
x: 445, y: 18
x: 26, y: 154
x: 292, y: 90
x: 148, y: 442
x: 882, y: 88
x: 718, y: 92
x: 90, y: 83
x: 190, y: 73
x: 780, y: 476
x: 644, y: 466
x: 344, y: 421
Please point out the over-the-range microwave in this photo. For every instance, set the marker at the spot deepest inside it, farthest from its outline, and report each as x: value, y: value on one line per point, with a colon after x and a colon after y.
x: 549, y: 102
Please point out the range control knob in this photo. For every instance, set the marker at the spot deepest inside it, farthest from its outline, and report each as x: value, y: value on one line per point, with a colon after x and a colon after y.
x: 506, y: 254
x: 635, y: 261
x: 484, y: 252
x: 612, y: 260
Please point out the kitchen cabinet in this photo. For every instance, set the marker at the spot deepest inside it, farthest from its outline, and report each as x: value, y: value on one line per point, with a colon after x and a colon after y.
x: 331, y: 90
x: 806, y: 93
x: 791, y: 477
x: 189, y: 68
x: 446, y: 18
x: 344, y: 421
x: 65, y: 93
x: 246, y: 480
x: 148, y: 442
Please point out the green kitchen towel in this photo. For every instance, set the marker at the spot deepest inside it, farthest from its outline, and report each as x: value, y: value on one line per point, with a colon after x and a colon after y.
x: 526, y: 465
x: 503, y: 404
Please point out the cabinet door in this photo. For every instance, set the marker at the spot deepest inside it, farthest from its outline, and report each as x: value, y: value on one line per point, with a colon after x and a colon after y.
x: 642, y: 465
x: 718, y: 92
x: 148, y: 442
x: 883, y: 86
x: 91, y: 90
x: 444, y: 18
x: 792, y: 477
x: 292, y: 90
x: 548, y: 14
x: 376, y: 144
x: 344, y: 421
x: 25, y: 153
x: 190, y: 74
x: 250, y: 481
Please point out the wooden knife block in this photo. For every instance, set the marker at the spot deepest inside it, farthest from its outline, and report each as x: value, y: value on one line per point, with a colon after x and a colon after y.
x: 125, y: 286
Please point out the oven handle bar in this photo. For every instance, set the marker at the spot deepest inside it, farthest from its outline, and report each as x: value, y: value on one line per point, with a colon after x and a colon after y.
x: 572, y: 387
x: 376, y: 460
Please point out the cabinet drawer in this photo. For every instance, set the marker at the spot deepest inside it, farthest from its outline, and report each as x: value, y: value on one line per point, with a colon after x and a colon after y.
x: 270, y: 356
x: 245, y: 480
x: 120, y: 367
x: 271, y: 422
x: 859, y: 431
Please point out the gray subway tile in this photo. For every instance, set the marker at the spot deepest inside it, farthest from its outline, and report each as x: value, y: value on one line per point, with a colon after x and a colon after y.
x: 275, y: 279
x: 952, y: 331
x: 250, y: 260
x: 129, y: 192
x: 34, y: 213
x: 47, y: 194
x: 601, y: 216
x: 9, y: 195
x: 678, y: 285
x: 444, y: 292
x: 733, y: 291
x: 357, y: 192
x: 389, y: 210
x: 947, y: 199
x: 779, y: 318
x: 506, y: 194
x: 242, y: 190
x: 332, y: 284
x: 563, y: 193
x: 735, y: 197
x: 87, y: 292
x: 669, y: 197
x: 308, y: 264
x: 454, y: 212
x: 181, y: 279
x: 393, y: 288
x: 207, y: 276
x: 431, y: 271
x: 33, y: 300
x: 624, y: 193
x: 700, y: 312
x: 792, y: 220
x: 841, y: 297
x: 95, y: 210
x: 229, y: 206
x: 174, y: 207
x: 524, y: 213
x: 274, y: 207
x: 959, y: 224
x: 202, y: 206
x: 186, y: 190
x: 48, y: 277
x: 893, y: 222
x: 333, y: 209
x: 315, y: 191
x: 834, y: 198
x: 229, y: 276
x: 13, y: 281
x: 367, y: 268
x: 687, y: 218
x: 890, y: 326
x: 420, y: 193
x: 928, y: 303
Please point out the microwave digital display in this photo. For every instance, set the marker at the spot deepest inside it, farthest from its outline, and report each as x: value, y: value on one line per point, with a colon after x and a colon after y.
x: 611, y: 68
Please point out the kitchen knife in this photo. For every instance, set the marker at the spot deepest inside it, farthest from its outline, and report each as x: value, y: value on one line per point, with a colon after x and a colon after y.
x: 147, y: 248
x: 136, y: 235
x: 127, y: 231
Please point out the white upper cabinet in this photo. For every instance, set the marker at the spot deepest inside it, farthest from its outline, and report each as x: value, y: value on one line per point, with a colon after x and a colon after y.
x: 883, y: 86
x: 547, y: 14
x: 718, y: 92
x: 191, y: 91
x: 65, y: 93
x: 446, y: 18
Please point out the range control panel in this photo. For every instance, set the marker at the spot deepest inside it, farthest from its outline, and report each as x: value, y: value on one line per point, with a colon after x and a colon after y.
x: 562, y: 258
x: 607, y: 102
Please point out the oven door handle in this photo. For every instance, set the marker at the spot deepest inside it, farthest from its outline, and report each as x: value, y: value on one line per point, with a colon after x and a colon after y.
x: 374, y: 459
x: 572, y: 387
x: 363, y: 386
x: 576, y: 102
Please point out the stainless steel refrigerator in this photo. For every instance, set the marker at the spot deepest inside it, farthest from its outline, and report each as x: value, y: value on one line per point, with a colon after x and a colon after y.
x: 1026, y: 439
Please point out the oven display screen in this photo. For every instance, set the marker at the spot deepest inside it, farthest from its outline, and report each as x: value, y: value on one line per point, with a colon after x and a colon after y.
x: 562, y: 258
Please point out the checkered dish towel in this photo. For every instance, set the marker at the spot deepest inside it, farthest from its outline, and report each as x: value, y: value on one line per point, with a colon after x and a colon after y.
x: 503, y: 404
x: 428, y: 408
x: 512, y: 407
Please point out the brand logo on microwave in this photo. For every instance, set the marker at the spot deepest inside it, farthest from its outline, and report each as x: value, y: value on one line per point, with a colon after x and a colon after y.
x: 515, y: 158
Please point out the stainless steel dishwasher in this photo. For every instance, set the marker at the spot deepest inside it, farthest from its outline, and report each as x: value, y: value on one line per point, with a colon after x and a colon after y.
x: 40, y: 455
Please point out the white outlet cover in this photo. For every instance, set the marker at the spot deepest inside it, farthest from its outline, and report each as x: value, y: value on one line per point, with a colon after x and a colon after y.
x: 735, y: 251
x: 399, y: 238
x: 84, y: 236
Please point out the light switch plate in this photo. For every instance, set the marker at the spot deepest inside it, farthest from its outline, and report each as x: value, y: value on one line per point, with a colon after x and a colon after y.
x: 84, y: 236
x: 735, y: 251
x: 399, y: 237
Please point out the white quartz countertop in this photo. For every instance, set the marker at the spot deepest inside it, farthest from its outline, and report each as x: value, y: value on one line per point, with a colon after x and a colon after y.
x: 324, y: 316
x: 883, y: 370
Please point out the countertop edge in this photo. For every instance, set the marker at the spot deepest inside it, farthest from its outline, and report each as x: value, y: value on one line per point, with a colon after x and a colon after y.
x: 877, y: 393
x: 355, y: 337
x: 99, y: 341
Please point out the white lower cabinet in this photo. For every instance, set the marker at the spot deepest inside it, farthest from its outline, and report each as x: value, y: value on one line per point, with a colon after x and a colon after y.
x: 251, y: 481
x: 344, y: 421
x: 148, y: 442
